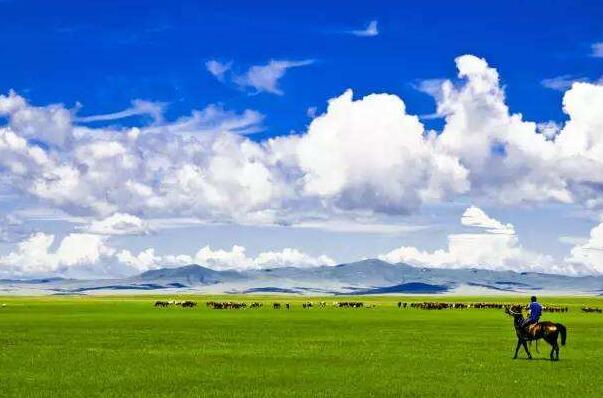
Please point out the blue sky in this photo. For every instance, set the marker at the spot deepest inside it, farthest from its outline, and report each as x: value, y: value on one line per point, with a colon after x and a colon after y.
x: 281, y: 66
x: 104, y: 54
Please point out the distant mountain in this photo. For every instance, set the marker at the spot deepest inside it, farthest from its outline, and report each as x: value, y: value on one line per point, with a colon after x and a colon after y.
x: 188, y: 275
x: 362, y: 277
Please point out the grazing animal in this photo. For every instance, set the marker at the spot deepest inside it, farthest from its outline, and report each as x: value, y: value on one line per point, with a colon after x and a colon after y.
x: 160, y: 303
x: 276, y: 306
x: 548, y: 331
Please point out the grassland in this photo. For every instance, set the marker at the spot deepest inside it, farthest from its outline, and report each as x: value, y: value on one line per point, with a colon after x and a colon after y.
x: 124, y: 347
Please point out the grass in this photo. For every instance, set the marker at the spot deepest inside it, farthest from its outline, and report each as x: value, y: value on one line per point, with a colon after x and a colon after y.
x: 123, y: 346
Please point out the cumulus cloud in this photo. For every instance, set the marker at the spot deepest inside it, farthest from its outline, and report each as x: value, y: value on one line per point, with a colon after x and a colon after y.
x: 234, y: 259
x: 51, y: 124
x: 589, y: 254
x: 91, y: 255
x: 370, y: 154
x: 496, y: 246
x: 476, y: 217
x: 370, y: 30
x: 363, y: 154
x: 34, y: 256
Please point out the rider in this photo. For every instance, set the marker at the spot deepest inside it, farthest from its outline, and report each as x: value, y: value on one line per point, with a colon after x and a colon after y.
x: 535, y: 310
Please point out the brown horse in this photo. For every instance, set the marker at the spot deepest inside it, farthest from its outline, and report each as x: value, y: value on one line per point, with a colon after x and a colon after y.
x: 548, y: 331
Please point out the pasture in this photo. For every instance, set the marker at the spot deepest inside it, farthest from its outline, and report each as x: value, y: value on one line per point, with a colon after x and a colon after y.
x: 125, y: 346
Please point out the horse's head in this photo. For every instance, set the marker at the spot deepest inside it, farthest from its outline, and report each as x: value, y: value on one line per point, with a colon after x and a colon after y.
x: 515, y: 312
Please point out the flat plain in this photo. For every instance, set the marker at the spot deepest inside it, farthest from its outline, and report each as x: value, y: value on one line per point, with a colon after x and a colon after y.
x: 124, y: 346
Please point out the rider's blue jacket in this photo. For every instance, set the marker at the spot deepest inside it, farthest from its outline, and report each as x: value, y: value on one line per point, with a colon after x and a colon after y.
x: 535, y: 311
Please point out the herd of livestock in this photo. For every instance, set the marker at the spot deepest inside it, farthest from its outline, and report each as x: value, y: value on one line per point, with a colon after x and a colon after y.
x: 444, y: 305
x: 233, y: 305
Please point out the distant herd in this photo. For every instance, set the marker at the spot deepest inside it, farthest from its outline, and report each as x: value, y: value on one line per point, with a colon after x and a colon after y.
x: 184, y: 304
x: 443, y: 306
x: 233, y: 305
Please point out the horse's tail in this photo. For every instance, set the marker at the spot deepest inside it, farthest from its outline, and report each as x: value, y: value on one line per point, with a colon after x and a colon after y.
x: 563, y: 332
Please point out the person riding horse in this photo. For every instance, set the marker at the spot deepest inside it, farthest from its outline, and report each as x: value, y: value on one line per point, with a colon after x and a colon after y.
x: 535, y: 311
x: 531, y: 329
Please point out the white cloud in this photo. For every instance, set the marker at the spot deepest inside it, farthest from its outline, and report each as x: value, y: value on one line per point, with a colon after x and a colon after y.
x: 119, y: 224
x: 597, y: 50
x: 265, y: 78
x: 476, y: 217
x: 368, y: 153
x: 218, y: 69
x: 370, y: 30
x: 560, y: 83
x: 234, y: 259
x: 51, y: 124
x: 34, y: 256
x: 589, y: 254
x: 496, y: 248
x: 12, y: 228
x: 90, y: 255
x: 139, y: 107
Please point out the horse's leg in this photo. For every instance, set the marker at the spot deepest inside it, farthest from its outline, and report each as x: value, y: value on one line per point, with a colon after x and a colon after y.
x: 552, y: 340
x: 517, y: 348
x: 525, y: 346
x: 552, y: 355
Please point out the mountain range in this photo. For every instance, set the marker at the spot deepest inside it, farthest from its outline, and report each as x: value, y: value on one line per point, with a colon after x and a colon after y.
x: 363, y: 277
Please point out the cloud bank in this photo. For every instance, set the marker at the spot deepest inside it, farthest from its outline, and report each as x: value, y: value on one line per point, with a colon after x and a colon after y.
x: 496, y: 246
x: 363, y: 155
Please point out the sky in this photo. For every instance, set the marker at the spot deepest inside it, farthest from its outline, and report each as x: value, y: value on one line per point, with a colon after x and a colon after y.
x: 140, y: 135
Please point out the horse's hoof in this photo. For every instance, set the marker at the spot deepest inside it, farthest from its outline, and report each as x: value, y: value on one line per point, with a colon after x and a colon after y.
x: 529, y: 357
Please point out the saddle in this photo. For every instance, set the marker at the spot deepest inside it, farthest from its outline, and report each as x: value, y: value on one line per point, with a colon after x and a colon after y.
x: 531, y: 330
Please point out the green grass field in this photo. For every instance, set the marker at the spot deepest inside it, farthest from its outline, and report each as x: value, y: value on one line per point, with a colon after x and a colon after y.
x: 124, y: 347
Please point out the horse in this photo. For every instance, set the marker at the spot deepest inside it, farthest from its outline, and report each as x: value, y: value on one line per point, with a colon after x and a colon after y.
x: 549, y: 331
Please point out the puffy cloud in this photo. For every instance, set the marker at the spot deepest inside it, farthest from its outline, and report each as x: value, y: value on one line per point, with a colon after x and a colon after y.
x: 51, y: 124
x: 496, y: 248
x: 234, y: 259
x: 90, y: 255
x: 119, y: 224
x: 476, y: 217
x: 264, y: 78
x: 143, y: 261
x: 370, y: 154
x: 133, y: 171
x: 509, y: 160
x: 34, y: 256
x: 370, y: 30
x: 589, y: 254
x: 361, y: 155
